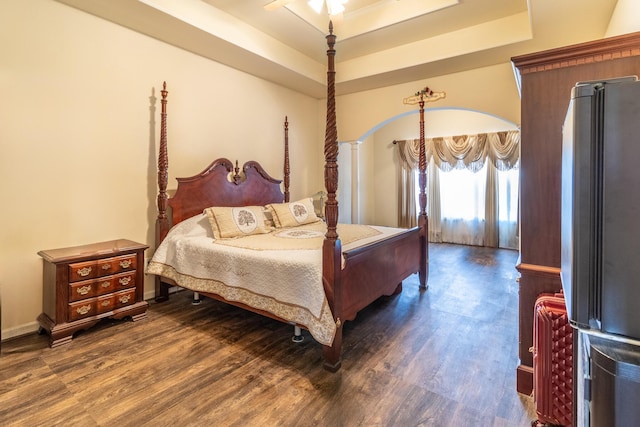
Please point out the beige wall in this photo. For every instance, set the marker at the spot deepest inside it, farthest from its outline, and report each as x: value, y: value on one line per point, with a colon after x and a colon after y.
x: 79, y: 134
x: 490, y: 89
x: 381, y: 116
x: 625, y: 18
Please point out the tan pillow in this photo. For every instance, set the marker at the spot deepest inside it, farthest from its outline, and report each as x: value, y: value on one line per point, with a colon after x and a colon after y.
x: 294, y: 213
x: 228, y: 223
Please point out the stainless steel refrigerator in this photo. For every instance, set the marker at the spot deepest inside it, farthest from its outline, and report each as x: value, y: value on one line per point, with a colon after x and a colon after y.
x: 600, y: 228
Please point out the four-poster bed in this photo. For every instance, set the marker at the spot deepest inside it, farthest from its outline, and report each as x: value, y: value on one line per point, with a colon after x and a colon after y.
x: 351, y: 265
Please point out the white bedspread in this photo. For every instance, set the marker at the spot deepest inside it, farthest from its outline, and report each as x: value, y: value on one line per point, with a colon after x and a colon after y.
x: 285, y: 281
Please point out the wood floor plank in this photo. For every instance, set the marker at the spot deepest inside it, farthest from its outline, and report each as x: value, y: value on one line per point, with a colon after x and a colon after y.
x: 444, y: 357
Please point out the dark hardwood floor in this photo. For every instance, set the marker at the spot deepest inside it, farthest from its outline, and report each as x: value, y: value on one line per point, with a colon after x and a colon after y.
x: 445, y: 357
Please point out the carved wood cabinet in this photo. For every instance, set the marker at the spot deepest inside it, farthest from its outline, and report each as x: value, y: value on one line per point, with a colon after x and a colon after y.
x: 546, y: 81
x: 84, y: 284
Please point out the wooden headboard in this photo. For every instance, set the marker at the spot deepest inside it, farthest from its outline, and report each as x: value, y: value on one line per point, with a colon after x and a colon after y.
x: 219, y: 184
x: 222, y: 184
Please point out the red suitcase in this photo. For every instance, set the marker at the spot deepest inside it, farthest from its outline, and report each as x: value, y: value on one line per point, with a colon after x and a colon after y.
x: 552, y: 361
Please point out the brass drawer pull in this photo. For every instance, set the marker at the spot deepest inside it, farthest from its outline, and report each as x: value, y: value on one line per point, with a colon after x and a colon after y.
x: 125, y: 263
x: 84, y: 309
x: 84, y: 271
x: 83, y: 290
x: 106, y: 266
x: 124, y: 281
x: 124, y: 299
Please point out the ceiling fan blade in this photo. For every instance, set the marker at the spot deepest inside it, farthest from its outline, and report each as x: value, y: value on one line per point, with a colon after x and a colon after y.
x: 275, y: 4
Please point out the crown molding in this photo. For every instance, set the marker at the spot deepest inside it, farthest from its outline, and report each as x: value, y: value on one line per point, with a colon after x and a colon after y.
x: 624, y: 46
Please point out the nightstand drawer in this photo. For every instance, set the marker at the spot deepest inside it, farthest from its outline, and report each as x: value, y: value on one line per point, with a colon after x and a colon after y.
x: 102, y: 267
x: 124, y: 298
x: 104, y: 285
x: 116, y: 264
x: 102, y: 304
x: 82, y: 309
x: 124, y: 280
x: 83, y: 271
x: 110, y: 302
x: 82, y: 290
x: 105, y: 303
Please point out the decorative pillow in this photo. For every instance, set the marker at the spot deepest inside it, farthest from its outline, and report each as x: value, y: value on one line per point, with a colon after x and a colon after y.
x: 294, y: 213
x: 228, y: 223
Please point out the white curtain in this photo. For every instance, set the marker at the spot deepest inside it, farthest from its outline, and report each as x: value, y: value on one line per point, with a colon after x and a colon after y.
x: 463, y: 159
x: 508, y: 189
x: 434, y: 210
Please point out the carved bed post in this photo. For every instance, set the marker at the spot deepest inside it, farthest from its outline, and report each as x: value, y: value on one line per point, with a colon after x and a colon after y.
x: 424, y: 95
x: 423, y: 219
x: 331, y: 144
x: 332, y: 247
x: 287, y: 170
x: 162, y: 222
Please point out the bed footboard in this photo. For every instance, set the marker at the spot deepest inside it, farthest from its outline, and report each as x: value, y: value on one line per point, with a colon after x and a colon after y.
x: 376, y: 270
x: 370, y: 272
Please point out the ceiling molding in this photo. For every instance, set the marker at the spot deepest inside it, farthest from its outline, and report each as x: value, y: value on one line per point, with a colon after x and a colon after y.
x: 379, y: 42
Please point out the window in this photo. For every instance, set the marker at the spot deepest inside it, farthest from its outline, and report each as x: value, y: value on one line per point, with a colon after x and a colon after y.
x: 462, y: 194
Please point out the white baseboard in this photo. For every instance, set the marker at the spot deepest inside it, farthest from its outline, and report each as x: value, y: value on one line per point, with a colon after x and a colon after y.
x: 32, y: 327
x: 17, y: 331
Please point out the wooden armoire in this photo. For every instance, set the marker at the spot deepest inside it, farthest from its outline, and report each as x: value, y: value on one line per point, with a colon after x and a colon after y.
x: 546, y: 79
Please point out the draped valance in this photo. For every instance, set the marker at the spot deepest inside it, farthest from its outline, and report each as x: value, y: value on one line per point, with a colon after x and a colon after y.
x: 465, y: 151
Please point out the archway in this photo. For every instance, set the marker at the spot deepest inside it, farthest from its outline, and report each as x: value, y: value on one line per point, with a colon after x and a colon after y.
x: 367, y: 191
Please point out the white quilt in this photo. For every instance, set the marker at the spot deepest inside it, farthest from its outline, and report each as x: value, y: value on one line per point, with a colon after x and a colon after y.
x: 285, y: 281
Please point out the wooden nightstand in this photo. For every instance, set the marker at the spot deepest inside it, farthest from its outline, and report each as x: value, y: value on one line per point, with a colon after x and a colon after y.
x: 84, y: 284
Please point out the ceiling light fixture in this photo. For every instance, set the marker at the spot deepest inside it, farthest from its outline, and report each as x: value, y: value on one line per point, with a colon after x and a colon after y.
x: 334, y: 7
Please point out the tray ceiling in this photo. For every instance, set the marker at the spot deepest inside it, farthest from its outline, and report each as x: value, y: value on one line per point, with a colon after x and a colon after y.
x: 380, y: 42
